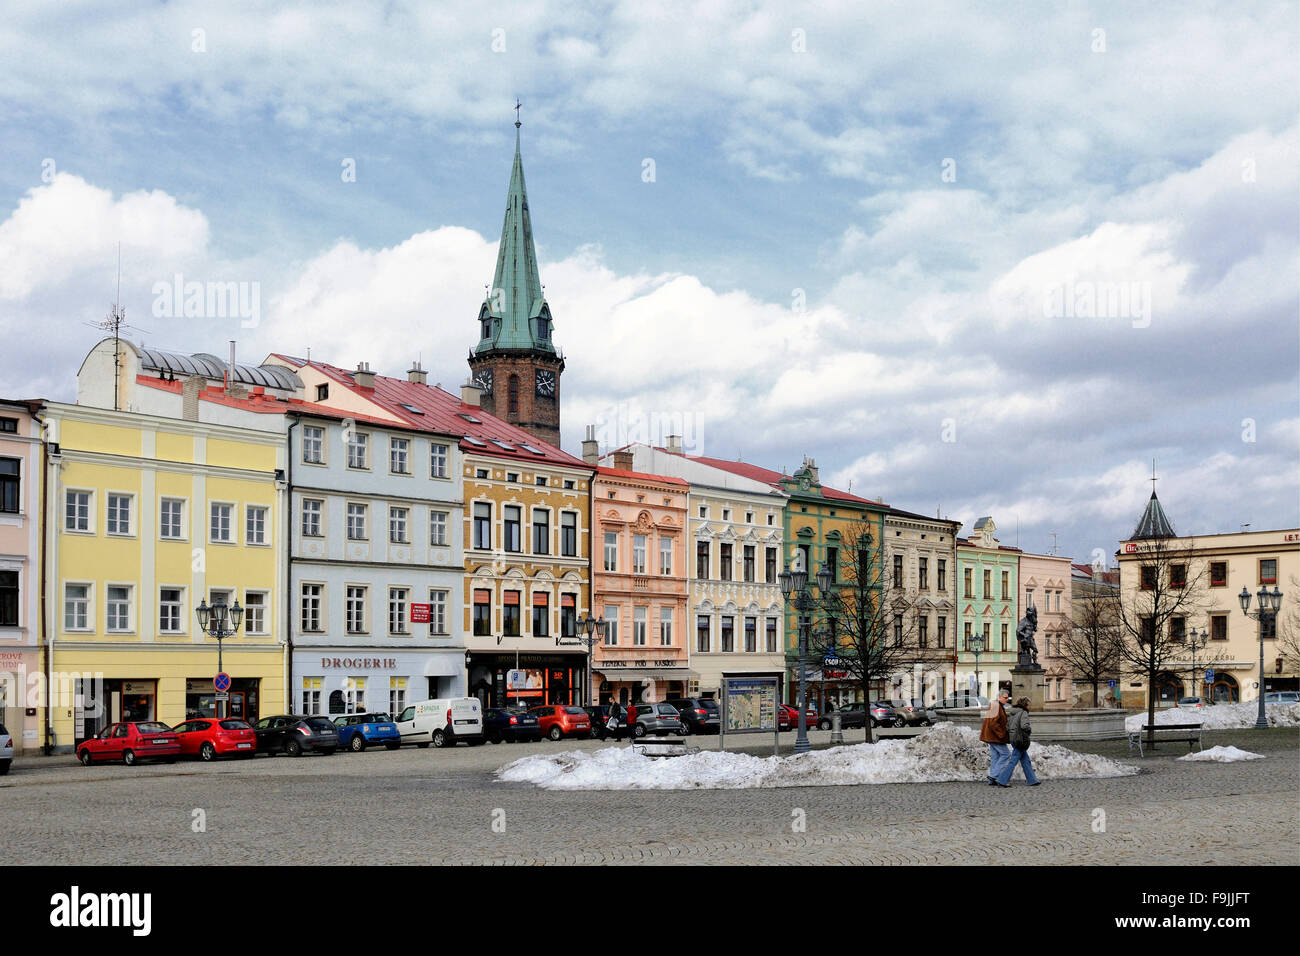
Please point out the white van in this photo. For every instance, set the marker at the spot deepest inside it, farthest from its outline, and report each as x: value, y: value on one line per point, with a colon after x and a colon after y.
x: 442, y: 722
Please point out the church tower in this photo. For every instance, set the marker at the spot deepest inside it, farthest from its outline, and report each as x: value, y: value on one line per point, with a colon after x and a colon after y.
x: 515, y: 362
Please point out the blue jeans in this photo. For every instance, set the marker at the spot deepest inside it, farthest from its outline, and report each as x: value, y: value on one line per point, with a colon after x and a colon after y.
x: 999, y: 754
x: 1020, y: 757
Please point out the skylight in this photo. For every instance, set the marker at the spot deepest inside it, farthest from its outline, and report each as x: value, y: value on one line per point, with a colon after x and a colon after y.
x: 502, y: 444
x: 527, y: 447
x: 474, y: 441
x: 411, y: 408
x: 470, y: 418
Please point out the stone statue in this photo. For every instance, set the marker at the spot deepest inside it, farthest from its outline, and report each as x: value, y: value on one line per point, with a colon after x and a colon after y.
x: 1028, y: 647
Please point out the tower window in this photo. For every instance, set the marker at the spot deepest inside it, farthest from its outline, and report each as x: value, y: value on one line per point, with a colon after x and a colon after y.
x: 512, y: 395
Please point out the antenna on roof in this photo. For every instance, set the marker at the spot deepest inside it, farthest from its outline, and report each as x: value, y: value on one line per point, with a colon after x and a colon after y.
x: 114, y: 322
x: 1055, y: 551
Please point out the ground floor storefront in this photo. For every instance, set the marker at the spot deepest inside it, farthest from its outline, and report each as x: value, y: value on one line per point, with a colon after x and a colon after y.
x: 553, y: 678
x: 709, y: 669
x: 19, y: 701
x: 334, y: 680
x: 616, y: 681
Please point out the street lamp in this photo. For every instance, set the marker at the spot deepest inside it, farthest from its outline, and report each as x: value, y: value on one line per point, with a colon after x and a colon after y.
x: 976, y: 646
x: 594, y: 629
x: 1269, y: 605
x: 1196, y: 642
x: 220, y: 622
x: 796, y: 583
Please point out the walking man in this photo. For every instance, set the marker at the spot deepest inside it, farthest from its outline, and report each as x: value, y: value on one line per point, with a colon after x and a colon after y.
x: 993, y: 731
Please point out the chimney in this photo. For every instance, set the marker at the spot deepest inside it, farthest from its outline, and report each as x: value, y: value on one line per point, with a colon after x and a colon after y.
x: 470, y: 394
x: 417, y: 375
x: 623, y: 460
x: 233, y: 388
x: 674, y: 444
x: 591, y: 447
x: 363, y: 377
x: 190, y: 389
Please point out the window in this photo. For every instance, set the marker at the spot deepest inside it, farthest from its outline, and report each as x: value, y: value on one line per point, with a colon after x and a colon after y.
x: 77, y: 511
x: 8, y: 425
x: 311, y: 689
x: 726, y: 514
x: 322, y: 393
x: 437, y: 461
x: 966, y: 635
x: 702, y: 634
x: 310, y: 607
x: 513, y: 518
x: 8, y: 598
x: 541, y: 531
x: 169, y: 611
x: 399, y: 456
x: 568, y: 616
x: 1006, y: 585
x: 923, y: 631
x: 666, y: 627
x: 397, y: 525
x: 1148, y: 577
x: 254, y: 524
x: 967, y: 590
x: 438, y: 528
x: 170, y: 521
x: 482, y: 612
x: 437, y: 613
x: 118, y: 514
x: 1004, y: 638
x: 539, y: 481
x: 255, y: 612
x: 541, y: 615
x: 355, y: 689
x: 1268, y: 571
x: 512, y: 395
x: 569, y: 533
x: 611, y: 625
x: 1178, y: 575
x: 923, y: 568
x: 313, y: 445
x: 220, y: 531
x: 803, y: 559
x: 356, y: 521
x: 988, y: 642
x: 638, y: 553
x: 769, y: 566
x: 355, y: 609
x: 358, y: 444
x: 1268, y: 627
x: 1148, y: 629
x: 1218, y: 627
x: 1029, y: 598
x: 481, y: 473
x: 941, y: 632
x: 749, y: 517
x: 119, y: 608
x: 941, y: 574
x: 397, y: 616
x: 311, y: 510
x: 724, y: 562
x: 639, y: 626
x: 833, y: 563
x: 704, y: 511
x: 611, y: 551
x: 898, y: 630
x: 701, y: 559
x: 728, y: 634
x: 76, y: 607
x: 482, y: 525
x: 771, y: 635
x: 898, y: 571
x: 569, y: 484
x: 751, y: 635
x: 10, y: 499
x: 665, y: 555
x: 512, y: 476
x: 1178, y: 629
x: 1218, y: 574
x: 396, y: 695
x: 988, y: 583
x: 510, y: 614
x: 747, y: 569
x: 771, y: 518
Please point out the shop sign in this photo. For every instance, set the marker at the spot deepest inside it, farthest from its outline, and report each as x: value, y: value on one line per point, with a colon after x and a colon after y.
x: 420, y: 613
x: 137, y: 687
x: 358, y: 663
x: 610, y: 665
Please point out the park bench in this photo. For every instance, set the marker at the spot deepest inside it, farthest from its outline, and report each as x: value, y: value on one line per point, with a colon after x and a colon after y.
x: 1189, y: 732
x: 663, y: 747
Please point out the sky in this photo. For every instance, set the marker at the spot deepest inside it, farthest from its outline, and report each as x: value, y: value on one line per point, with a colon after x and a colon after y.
x: 974, y: 258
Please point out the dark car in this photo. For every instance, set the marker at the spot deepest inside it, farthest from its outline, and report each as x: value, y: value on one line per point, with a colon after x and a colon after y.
x: 913, y: 713
x: 852, y: 717
x: 292, y: 734
x: 358, y: 731
x: 698, y: 715
x: 599, y: 714
x: 510, y: 725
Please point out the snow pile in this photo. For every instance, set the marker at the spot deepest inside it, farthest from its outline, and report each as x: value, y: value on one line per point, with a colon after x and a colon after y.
x: 1221, y: 716
x: 943, y: 753
x: 1223, y: 755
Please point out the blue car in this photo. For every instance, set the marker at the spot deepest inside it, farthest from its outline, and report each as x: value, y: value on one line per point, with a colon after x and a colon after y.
x: 359, y: 731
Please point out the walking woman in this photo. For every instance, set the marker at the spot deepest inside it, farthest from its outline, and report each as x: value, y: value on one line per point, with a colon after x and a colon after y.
x: 993, y: 731
x: 1018, y: 729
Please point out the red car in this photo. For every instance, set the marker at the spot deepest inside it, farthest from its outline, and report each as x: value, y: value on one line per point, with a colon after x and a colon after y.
x: 130, y: 742
x: 787, y: 717
x: 561, y: 720
x: 210, y: 737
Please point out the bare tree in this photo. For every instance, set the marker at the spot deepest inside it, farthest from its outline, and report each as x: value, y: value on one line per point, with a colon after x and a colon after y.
x: 1150, y: 619
x: 1090, y: 649
x: 1288, y: 631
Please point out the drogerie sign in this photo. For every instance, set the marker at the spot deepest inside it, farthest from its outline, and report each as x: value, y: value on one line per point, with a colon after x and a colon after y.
x: 361, y: 662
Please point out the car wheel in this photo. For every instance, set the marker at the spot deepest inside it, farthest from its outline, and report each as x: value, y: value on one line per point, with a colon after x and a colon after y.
x: 86, y: 758
x: 639, y: 731
x: 439, y: 738
x: 128, y: 757
x: 874, y: 723
x: 392, y: 746
x: 207, y: 751
x: 685, y: 731
x: 823, y: 725
x: 293, y: 748
x: 495, y: 738
x: 556, y: 733
x: 4, y: 767
x: 358, y: 744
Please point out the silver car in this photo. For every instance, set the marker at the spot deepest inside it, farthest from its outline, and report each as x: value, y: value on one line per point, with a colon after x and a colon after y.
x: 1282, y: 697
x: 660, y: 720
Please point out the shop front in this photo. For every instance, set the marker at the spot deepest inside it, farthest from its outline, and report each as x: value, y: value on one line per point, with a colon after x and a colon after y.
x: 642, y: 682
x: 546, y: 679
x: 333, y: 681
x: 19, y: 696
x: 201, y: 698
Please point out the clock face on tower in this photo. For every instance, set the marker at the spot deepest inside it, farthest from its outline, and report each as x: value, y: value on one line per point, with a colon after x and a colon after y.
x: 483, y: 379
x: 546, y: 383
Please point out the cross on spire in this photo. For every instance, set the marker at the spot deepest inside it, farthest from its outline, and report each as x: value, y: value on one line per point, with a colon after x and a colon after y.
x: 1153, y: 476
x: 518, y: 105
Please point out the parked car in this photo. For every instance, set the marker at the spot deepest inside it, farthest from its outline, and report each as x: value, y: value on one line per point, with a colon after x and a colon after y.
x: 131, y: 742
x: 787, y: 717
x: 851, y: 717
x: 961, y: 701
x: 698, y: 715
x: 599, y: 715
x: 442, y: 722
x: 292, y: 734
x: 562, y: 720
x: 1194, y: 702
x: 358, y: 731
x: 658, y: 720
x: 511, y: 725
x: 913, y: 713
x: 211, y: 737
x: 1273, y: 697
x: 6, y: 750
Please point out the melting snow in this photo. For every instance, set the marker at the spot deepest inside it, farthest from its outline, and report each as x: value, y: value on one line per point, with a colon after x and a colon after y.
x: 1221, y: 716
x: 945, y: 752
x: 1223, y: 755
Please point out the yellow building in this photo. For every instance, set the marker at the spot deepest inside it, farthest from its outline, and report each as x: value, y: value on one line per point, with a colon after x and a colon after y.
x: 145, y: 517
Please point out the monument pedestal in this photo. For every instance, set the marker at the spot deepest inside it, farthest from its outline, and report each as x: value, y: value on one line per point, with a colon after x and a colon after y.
x: 1029, y: 682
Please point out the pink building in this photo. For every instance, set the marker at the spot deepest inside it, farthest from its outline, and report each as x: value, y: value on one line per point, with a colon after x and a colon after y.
x: 20, y: 569
x: 1045, y: 582
x: 639, y: 585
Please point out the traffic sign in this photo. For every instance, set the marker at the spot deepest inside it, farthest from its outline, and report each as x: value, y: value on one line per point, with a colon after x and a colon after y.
x: 222, y: 696
x: 1110, y: 683
x: 1209, y: 676
x: 972, y: 682
x: 221, y: 682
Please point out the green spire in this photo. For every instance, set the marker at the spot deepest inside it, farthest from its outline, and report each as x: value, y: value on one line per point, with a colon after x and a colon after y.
x: 514, y: 314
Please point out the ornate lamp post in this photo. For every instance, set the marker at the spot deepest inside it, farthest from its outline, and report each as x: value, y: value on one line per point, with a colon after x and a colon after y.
x: 796, y: 583
x: 1269, y: 605
x: 1196, y: 642
x: 976, y: 647
x: 221, y: 622
x: 591, y: 631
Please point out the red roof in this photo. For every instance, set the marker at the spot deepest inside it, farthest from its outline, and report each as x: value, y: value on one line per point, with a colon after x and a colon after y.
x: 759, y: 473
x: 256, y: 402
x: 640, y: 476
x: 437, y: 410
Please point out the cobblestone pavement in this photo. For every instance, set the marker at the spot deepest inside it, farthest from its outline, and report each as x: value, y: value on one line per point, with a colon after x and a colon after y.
x: 431, y: 806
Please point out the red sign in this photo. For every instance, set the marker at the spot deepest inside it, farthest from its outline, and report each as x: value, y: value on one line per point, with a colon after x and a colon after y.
x: 1131, y: 548
x: 420, y: 613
